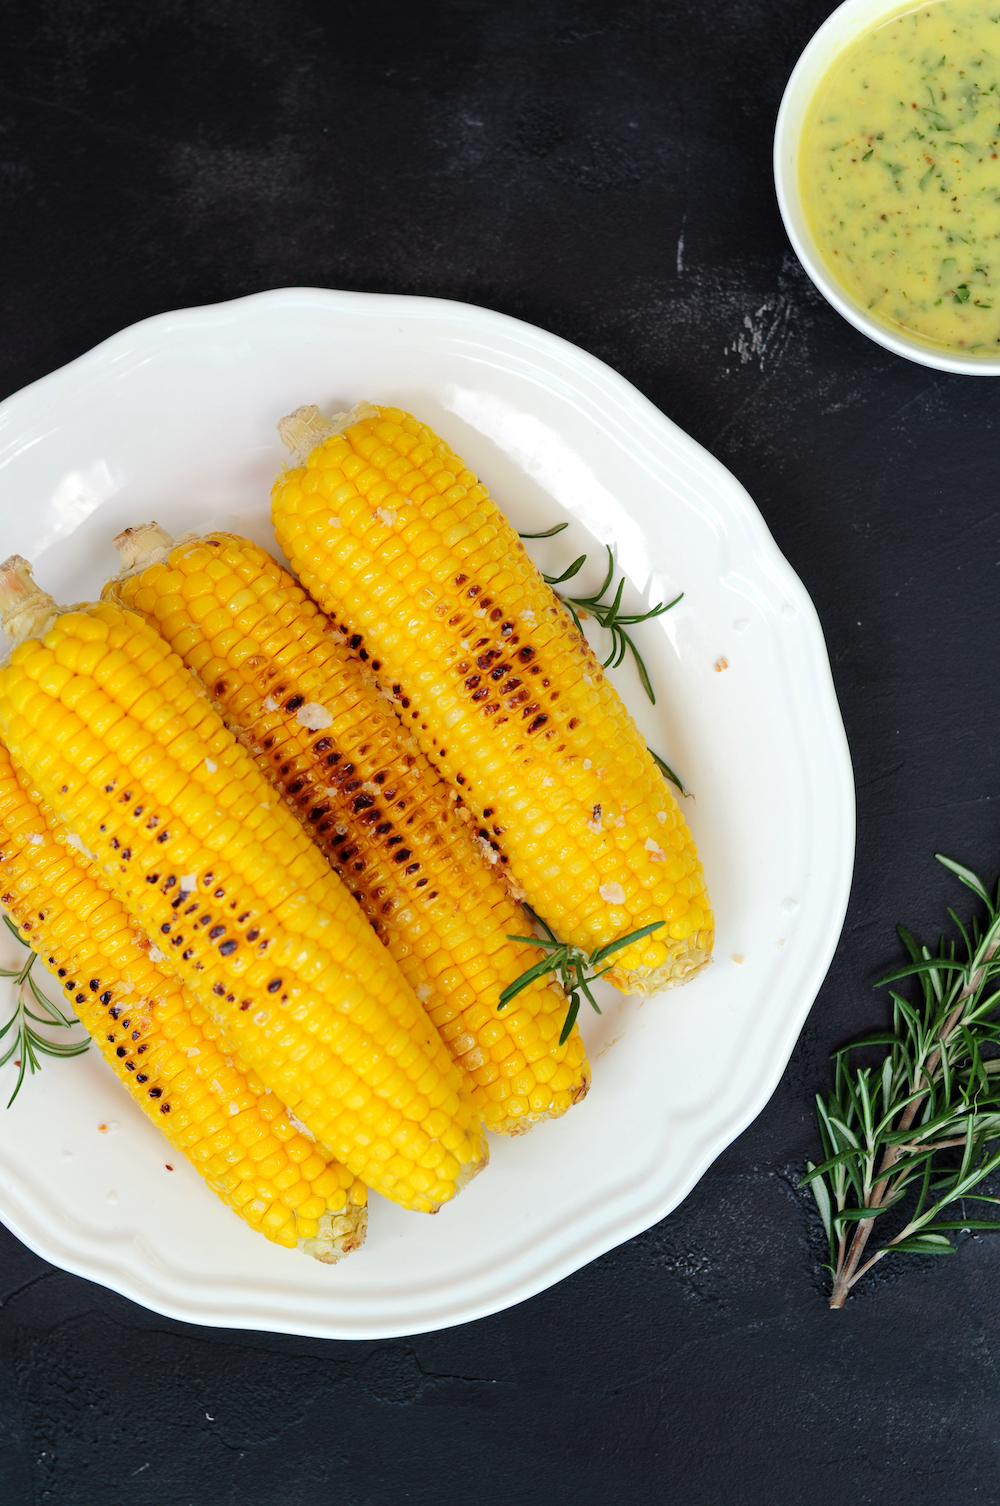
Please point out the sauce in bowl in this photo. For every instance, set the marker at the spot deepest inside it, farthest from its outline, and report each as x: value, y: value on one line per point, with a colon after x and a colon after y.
x: 899, y: 173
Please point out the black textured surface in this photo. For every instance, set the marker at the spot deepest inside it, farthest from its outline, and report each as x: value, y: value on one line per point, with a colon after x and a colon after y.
x: 601, y: 169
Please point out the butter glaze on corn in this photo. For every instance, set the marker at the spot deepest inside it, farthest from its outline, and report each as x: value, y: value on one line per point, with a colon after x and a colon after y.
x: 387, y: 822
x: 125, y: 747
x: 397, y: 541
x: 163, y: 1047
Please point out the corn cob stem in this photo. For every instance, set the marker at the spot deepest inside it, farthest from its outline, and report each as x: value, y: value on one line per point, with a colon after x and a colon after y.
x: 304, y: 429
x: 162, y: 1046
x: 400, y: 543
x: 388, y: 824
x: 125, y: 748
x: 27, y: 610
x: 139, y: 547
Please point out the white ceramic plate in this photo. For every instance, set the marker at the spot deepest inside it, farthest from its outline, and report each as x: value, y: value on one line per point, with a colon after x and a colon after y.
x: 175, y: 419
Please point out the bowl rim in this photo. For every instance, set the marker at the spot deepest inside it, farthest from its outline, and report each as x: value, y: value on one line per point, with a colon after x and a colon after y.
x: 849, y: 21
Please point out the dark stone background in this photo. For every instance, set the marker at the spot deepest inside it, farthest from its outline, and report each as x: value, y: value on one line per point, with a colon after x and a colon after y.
x: 545, y: 158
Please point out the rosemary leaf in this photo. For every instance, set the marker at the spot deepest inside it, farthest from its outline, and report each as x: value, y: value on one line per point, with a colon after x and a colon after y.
x: 665, y: 769
x: 549, y: 533
x: 615, y: 946
x: 963, y: 1223
x: 967, y: 876
x: 822, y: 1196
x: 927, y: 1244
x: 856, y: 1215
x: 568, y: 573
x: 570, y: 1021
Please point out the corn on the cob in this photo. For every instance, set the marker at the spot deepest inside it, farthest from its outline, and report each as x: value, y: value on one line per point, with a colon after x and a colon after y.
x: 403, y: 547
x: 121, y: 742
x: 384, y: 818
x: 170, y: 1055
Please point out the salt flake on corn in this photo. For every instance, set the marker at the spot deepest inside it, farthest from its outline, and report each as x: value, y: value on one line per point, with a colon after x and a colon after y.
x: 314, y: 717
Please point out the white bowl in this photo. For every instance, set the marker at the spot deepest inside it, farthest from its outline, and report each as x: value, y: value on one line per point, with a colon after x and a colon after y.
x: 848, y: 21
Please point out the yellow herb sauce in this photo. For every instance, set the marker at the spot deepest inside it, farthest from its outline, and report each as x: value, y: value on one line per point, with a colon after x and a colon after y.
x: 899, y: 175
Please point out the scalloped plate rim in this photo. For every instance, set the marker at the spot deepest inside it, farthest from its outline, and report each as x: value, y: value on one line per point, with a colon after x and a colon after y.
x: 140, y: 342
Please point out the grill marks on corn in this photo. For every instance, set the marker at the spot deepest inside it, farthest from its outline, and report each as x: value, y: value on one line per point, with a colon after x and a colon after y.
x: 25, y: 871
x: 353, y: 803
x: 502, y: 670
x: 67, y: 946
x: 496, y: 677
x: 352, y: 795
x: 224, y: 931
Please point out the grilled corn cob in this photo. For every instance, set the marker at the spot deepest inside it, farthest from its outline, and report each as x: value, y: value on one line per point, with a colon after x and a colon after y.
x: 404, y: 548
x: 161, y: 1044
x: 124, y: 746
x: 365, y: 793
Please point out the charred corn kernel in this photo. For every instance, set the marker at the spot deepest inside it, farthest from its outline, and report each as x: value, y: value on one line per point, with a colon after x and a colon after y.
x: 370, y: 800
x: 158, y: 1040
x: 247, y: 911
x: 398, y: 542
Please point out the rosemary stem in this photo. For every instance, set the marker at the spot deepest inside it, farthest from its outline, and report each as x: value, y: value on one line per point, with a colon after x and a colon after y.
x: 914, y: 1146
x: 844, y: 1279
x: 847, y: 1272
x: 873, y: 1260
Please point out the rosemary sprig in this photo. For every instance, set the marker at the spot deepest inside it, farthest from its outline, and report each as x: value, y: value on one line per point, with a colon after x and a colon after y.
x: 610, y: 616
x: 26, y: 1042
x: 920, y: 1127
x: 571, y: 963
